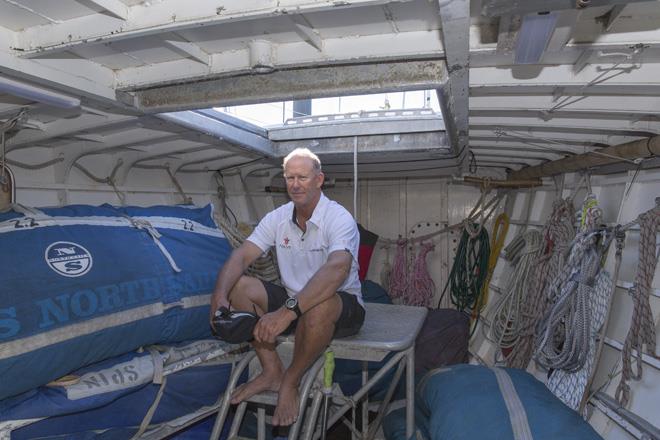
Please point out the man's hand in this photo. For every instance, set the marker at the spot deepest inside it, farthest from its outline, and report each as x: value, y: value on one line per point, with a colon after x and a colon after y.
x: 215, y: 305
x: 273, y: 324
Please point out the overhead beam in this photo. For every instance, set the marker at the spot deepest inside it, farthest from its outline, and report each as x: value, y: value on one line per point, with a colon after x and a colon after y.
x: 574, y: 90
x: 583, y: 130
x: 637, y: 79
x: 293, y: 84
x: 613, y: 15
x: 82, y: 79
x: 567, y: 147
x: 344, y: 50
x: 429, y: 143
x: 640, y: 149
x: 65, y: 127
x: 151, y: 18
x: 306, y: 31
x: 582, y: 61
x: 246, y: 140
x: 358, y: 126
x: 115, y: 8
x: 630, y: 104
x: 496, y: 8
x: 454, y: 94
x: 188, y: 49
x: 628, y: 117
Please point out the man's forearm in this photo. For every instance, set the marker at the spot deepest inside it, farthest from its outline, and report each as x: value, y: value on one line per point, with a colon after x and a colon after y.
x: 325, y: 283
x: 228, y: 276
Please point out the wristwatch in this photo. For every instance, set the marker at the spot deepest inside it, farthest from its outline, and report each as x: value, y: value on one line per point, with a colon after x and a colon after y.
x: 292, y: 304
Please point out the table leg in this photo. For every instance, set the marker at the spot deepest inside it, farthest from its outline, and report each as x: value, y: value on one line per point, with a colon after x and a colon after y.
x: 410, y: 392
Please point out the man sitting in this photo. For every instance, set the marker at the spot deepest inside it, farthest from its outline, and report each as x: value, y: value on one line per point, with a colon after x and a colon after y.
x: 316, y: 242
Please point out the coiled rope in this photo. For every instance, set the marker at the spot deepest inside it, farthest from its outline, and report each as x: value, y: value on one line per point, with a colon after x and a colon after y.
x: 642, y: 327
x: 421, y: 287
x: 506, y: 319
x: 265, y: 267
x: 399, y: 275
x: 564, y: 332
x: 470, y: 267
x: 557, y: 235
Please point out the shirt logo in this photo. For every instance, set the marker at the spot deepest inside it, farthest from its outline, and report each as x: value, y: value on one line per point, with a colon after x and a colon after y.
x: 68, y: 259
x: 285, y: 243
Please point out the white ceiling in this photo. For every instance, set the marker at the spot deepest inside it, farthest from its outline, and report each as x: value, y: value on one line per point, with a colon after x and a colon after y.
x: 597, y: 84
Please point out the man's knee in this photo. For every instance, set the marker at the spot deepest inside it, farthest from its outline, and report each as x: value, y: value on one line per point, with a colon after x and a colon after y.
x: 246, y: 291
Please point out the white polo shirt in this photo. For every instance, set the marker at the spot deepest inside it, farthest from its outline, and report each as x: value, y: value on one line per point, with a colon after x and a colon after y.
x: 300, y: 255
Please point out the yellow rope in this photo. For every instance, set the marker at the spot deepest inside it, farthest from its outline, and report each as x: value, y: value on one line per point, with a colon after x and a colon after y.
x: 500, y: 229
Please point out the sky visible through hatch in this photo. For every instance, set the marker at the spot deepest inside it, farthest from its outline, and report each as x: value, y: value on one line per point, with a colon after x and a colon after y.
x: 273, y: 114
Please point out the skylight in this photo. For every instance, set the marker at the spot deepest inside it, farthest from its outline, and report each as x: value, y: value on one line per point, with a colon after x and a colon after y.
x: 275, y: 114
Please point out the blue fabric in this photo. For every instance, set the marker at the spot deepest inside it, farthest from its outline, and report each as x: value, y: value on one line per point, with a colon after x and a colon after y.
x: 394, y: 425
x: 203, y: 216
x: 120, y: 413
x: 119, y: 269
x: 464, y: 402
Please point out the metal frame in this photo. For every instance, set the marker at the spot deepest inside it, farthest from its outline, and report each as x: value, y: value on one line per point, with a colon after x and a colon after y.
x: 454, y: 94
x: 376, y: 340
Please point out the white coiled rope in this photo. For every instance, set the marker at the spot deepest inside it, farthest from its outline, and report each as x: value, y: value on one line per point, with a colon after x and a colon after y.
x: 565, y: 330
x: 557, y: 235
x: 564, y: 333
x: 506, y: 319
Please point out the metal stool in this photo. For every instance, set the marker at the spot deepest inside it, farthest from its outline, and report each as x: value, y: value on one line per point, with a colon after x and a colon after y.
x: 269, y: 398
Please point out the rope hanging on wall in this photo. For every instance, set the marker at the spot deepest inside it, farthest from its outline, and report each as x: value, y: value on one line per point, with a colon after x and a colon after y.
x: 642, y: 327
x: 500, y: 229
x: 398, y: 280
x: 468, y: 273
x: 421, y: 287
x: 564, y: 333
x: 265, y: 268
x: 506, y: 317
x: 557, y: 235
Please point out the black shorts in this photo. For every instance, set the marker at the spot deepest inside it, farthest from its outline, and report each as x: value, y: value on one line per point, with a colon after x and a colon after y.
x: 350, y: 320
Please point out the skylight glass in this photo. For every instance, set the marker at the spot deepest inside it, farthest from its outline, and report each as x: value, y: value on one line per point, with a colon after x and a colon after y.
x: 275, y: 114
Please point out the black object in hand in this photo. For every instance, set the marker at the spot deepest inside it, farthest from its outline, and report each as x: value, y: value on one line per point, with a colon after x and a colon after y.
x: 234, y: 327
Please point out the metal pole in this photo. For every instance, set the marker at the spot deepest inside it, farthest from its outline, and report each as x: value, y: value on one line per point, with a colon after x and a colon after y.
x: 643, y: 148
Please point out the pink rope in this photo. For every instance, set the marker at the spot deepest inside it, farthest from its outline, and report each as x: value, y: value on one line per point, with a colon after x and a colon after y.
x: 421, y: 287
x: 399, y: 275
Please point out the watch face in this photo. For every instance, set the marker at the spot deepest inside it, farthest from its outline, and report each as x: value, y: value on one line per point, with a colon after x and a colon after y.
x: 291, y: 303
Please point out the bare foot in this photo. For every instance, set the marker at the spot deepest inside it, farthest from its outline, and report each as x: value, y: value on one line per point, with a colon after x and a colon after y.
x: 286, y: 411
x: 260, y: 383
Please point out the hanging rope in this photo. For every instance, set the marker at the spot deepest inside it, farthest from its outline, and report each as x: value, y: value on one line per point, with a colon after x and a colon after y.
x: 564, y: 332
x: 265, y: 267
x: 506, y: 318
x: 642, y: 327
x: 470, y: 267
x: 571, y: 387
x: 500, y: 229
x: 557, y: 235
x: 421, y: 289
x: 399, y: 275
